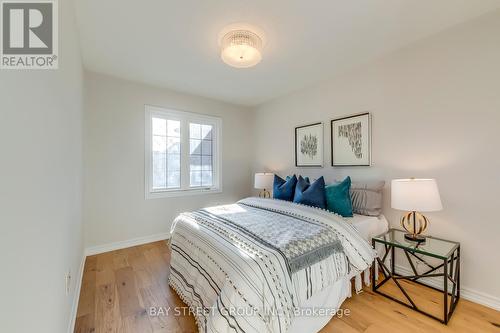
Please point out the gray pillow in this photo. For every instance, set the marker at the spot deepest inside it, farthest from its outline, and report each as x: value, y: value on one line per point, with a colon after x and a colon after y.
x: 366, y: 197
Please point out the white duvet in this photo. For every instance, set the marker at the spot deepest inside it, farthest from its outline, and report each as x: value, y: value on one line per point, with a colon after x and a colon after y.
x: 234, y: 284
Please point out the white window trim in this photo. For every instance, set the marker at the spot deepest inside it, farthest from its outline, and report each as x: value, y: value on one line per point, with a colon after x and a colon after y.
x: 185, y: 117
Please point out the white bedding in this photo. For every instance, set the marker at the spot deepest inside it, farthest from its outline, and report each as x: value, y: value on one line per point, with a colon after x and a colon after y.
x: 369, y: 226
x: 330, y: 298
x: 333, y: 296
x: 216, y: 265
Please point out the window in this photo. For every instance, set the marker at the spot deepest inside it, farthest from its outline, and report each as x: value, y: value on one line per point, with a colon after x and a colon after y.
x: 200, y: 155
x: 182, y: 153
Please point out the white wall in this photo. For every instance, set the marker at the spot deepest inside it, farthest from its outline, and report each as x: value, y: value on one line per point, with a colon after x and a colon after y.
x: 436, y: 113
x: 115, y: 208
x: 40, y: 188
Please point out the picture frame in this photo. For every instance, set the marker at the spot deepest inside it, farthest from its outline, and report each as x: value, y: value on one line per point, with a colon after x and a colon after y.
x: 351, y: 140
x: 309, y: 146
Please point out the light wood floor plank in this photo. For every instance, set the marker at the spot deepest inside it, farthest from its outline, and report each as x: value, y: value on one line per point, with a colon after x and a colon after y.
x: 107, y: 309
x: 127, y: 292
x: 119, y: 287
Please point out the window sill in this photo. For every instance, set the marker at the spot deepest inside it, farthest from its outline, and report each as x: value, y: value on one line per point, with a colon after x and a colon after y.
x: 180, y: 193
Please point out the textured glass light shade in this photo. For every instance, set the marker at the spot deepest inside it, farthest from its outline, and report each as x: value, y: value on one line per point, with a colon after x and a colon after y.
x: 241, y: 48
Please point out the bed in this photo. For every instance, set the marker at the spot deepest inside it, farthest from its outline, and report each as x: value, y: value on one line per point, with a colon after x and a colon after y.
x: 261, y: 265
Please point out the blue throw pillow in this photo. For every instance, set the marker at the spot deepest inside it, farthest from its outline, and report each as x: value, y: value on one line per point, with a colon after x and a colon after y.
x: 302, y: 185
x: 338, y: 199
x: 310, y: 194
x: 306, y: 178
x: 284, y: 189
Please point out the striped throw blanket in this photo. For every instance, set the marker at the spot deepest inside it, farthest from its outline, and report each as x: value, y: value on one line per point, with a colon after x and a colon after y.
x: 239, y: 267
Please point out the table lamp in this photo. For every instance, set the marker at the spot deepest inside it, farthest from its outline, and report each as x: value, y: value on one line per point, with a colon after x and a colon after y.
x: 264, y: 181
x: 415, y: 196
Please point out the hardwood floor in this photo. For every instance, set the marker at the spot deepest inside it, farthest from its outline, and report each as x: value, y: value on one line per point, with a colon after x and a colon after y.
x: 119, y: 288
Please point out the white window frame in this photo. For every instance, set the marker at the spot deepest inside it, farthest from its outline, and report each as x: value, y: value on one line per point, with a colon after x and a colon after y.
x: 185, y: 118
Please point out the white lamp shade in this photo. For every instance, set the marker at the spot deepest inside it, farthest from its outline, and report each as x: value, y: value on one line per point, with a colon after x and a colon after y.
x: 264, y: 180
x: 419, y: 195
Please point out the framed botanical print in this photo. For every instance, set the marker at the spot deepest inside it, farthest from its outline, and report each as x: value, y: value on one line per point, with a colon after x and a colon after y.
x: 309, y: 145
x: 351, y: 140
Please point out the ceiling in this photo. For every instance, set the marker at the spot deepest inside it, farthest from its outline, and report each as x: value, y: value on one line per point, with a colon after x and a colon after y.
x: 173, y: 44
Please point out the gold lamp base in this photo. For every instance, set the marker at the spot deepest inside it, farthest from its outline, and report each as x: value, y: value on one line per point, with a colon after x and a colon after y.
x: 415, y: 223
x: 265, y: 194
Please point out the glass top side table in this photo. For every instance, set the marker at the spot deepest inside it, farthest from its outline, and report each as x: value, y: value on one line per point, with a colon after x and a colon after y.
x: 445, y: 251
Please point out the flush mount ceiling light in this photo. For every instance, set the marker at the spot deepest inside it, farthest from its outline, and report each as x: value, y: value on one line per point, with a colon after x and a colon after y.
x: 241, y: 48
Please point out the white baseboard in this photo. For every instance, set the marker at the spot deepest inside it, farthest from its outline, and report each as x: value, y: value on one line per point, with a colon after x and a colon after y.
x: 89, y: 251
x: 76, y: 297
x: 466, y: 293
